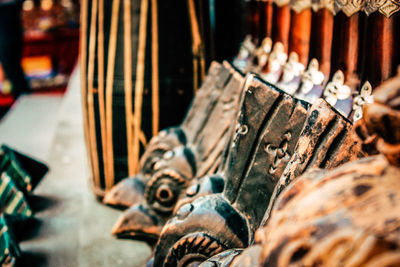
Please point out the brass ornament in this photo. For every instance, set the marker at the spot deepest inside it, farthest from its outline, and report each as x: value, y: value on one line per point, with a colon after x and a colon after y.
x: 361, y: 99
x: 262, y: 53
x: 246, y: 52
x: 336, y: 91
x: 311, y: 83
x: 281, y: 3
x: 349, y: 7
x: 276, y: 61
x: 321, y: 4
x: 385, y: 7
x: 300, y: 5
x: 291, y: 76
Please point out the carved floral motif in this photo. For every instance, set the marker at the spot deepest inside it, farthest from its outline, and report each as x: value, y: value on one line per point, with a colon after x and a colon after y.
x: 386, y: 7
x: 349, y: 7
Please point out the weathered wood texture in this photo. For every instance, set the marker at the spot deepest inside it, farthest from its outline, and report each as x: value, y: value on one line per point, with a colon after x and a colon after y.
x: 337, y: 214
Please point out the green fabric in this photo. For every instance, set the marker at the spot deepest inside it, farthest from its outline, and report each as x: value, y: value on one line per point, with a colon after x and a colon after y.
x: 9, y: 249
x: 10, y: 165
x: 12, y: 200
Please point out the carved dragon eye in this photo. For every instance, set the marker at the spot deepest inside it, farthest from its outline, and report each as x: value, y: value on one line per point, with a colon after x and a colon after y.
x: 163, y: 190
x: 168, y: 155
x: 164, y: 193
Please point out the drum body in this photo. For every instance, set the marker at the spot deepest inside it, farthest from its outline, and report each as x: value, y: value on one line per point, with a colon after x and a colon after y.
x: 109, y: 61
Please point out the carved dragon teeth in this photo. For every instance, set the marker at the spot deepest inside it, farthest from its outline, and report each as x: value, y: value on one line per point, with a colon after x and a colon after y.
x: 196, y: 242
x: 192, y: 247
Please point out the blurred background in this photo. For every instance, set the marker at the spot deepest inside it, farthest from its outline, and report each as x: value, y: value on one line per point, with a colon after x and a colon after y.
x: 47, y: 34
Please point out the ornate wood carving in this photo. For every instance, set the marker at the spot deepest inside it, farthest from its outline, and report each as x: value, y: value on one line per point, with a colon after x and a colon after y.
x: 345, y: 216
x: 222, y: 184
x: 173, y: 173
x: 355, y: 218
x: 385, y: 7
x: 130, y: 191
x: 266, y: 141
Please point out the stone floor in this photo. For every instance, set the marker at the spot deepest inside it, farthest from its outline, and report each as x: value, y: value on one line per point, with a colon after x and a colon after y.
x: 71, y: 227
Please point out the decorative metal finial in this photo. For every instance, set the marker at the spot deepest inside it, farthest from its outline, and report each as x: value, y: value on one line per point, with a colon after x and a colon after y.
x: 360, y: 100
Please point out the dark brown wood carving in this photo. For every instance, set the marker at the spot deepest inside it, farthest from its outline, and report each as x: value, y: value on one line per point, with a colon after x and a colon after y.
x: 130, y: 191
x: 346, y: 216
x: 265, y: 142
x: 174, y: 171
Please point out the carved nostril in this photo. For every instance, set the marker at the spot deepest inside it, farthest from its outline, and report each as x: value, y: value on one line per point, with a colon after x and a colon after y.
x: 184, y: 211
x: 193, y: 190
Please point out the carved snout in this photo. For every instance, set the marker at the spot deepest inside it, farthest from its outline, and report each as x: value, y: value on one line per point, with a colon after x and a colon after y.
x: 126, y: 193
x: 139, y: 222
x: 200, y: 230
x: 235, y: 258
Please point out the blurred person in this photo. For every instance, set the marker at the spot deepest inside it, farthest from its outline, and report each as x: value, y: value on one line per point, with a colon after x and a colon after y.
x: 11, y: 41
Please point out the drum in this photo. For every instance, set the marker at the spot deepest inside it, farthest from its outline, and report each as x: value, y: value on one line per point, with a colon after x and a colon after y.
x: 137, y: 77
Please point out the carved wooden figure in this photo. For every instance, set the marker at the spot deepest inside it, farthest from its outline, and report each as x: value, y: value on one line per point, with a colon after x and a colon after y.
x: 347, y: 216
x: 266, y: 140
x: 178, y: 167
x: 131, y: 190
x: 355, y: 219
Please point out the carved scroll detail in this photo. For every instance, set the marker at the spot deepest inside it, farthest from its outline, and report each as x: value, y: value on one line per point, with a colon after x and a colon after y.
x: 349, y: 7
x: 385, y: 7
